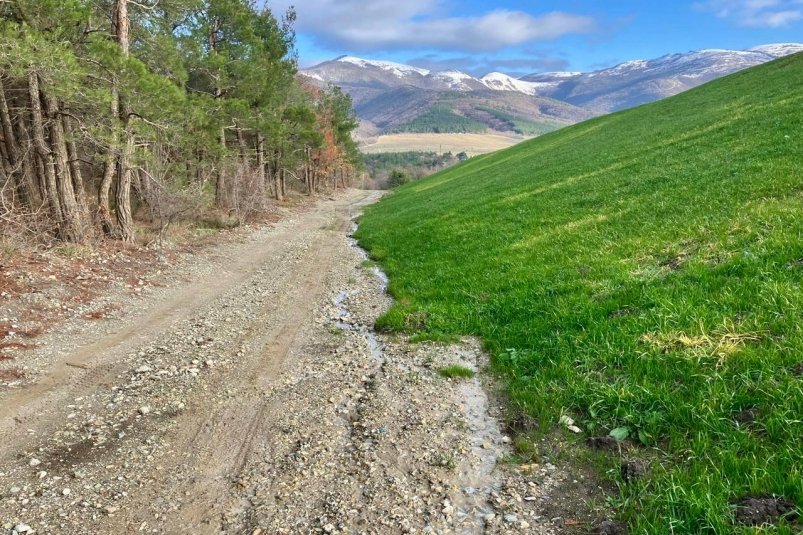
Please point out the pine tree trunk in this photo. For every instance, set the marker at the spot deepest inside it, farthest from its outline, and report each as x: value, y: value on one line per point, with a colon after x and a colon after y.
x: 261, y: 161
x: 270, y: 177
x: 110, y: 166
x: 314, y: 178
x: 75, y: 166
x: 47, y: 166
x: 308, y: 169
x: 40, y: 171
x: 20, y: 166
x: 220, y: 183
x: 123, y: 197
x: 73, y: 227
x: 220, y: 186
x: 277, y: 177
x: 32, y: 160
x: 8, y: 171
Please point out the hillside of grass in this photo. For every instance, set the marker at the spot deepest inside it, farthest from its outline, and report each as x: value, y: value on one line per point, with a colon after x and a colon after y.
x: 520, y: 125
x: 442, y: 119
x: 641, y: 272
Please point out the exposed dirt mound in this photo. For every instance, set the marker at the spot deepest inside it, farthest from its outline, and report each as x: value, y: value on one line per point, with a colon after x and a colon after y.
x: 761, y: 510
x: 633, y: 470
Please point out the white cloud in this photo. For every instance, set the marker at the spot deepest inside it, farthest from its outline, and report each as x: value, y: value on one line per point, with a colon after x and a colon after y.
x: 756, y: 13
x: 422, y: 24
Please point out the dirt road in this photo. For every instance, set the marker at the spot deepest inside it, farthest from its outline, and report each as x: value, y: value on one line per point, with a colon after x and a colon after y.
x: 256, y: 399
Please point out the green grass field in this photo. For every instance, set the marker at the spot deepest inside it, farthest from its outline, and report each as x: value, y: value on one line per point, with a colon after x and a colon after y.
x: 642, y: 272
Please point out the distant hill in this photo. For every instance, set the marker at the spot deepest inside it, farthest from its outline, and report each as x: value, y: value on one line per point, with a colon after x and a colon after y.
x: 641, y: 273
x: 392, y: 97
x: 639, y: 82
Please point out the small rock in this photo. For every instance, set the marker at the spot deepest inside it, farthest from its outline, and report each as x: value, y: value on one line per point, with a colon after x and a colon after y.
x: 143, y: 369
x: 511, y: 518
x: 66, y: 492
x: 490, y: 517
x: 448, y: 509
x: 144, y: 410
x: 22, y: 528
x: 34, y: 462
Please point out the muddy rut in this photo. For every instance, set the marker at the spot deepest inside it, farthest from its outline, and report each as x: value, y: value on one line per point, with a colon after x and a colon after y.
x: 257, y: 399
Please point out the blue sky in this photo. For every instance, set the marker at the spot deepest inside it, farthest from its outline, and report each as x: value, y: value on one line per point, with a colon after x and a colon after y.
x: 519, y: 37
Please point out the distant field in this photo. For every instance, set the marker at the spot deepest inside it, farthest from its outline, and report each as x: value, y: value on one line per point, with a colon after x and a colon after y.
x: 471, y: 144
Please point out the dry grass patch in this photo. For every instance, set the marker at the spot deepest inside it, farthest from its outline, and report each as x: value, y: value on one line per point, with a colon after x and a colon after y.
x: 471, y: 144
x: 721, y: 343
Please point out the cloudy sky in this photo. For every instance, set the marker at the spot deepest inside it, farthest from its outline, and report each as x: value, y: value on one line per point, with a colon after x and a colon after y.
x: 524, y: 36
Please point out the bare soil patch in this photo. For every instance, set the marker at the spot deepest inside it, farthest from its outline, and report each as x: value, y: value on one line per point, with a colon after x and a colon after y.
x: 761, y: 510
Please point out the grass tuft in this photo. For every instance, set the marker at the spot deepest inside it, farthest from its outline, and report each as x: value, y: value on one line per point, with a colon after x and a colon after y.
x: 456, y: 372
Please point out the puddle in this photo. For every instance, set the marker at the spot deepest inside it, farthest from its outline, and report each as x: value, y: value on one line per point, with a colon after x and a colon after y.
x: 343, y: 323
x: 486, y: 437
x: 378, y: 273
x: 477, y: 480
x: 344, y: 315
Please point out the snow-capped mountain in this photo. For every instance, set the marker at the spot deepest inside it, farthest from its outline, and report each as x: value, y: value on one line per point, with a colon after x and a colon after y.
x: 641, y: 81
x: 459, y: 81
x: 383, y: 86
x: 396, y: 69
x: 779, y: 50
x: 502, y: 82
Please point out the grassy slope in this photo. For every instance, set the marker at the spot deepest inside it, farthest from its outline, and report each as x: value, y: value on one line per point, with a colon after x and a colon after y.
x: 642, y: 269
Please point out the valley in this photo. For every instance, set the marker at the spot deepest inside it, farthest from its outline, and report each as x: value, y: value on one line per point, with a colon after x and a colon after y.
x: 393, y: 99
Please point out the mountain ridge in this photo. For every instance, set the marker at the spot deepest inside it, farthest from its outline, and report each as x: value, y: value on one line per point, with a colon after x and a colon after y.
x: 390, y: 96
